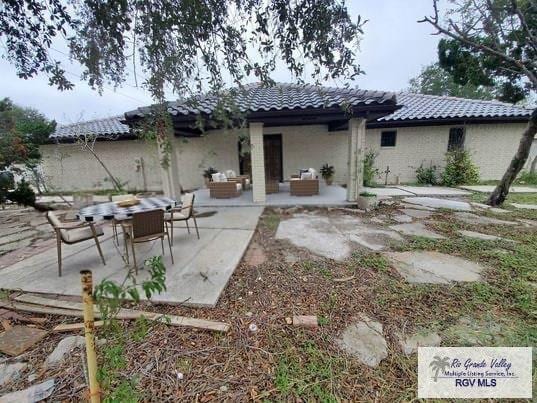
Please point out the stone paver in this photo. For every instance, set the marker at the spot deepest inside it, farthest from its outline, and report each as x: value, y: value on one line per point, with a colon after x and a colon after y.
x: 417, y: 213
x: 11, y: 372
x: 434, y: 267
x: 18, y: 339
x: 365, y: 341
x: 433, y: 190
x: 490, y: 208
x: 34, y: 393
x: 490, y: 188
x: 410, y: 344
x: 439, y: 203
x: 64, y: 347
x: 484, y: 237
x: 387, y: 191
x: 334, y: 237
x: 416, y: 229
x: 315, y: 233
x: 374, y: 238
x: 525, y: 206
x: 474, y: 219
x: 402, y: 218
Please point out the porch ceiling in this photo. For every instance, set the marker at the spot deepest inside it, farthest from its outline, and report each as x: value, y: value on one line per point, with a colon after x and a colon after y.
x: 334, y: 118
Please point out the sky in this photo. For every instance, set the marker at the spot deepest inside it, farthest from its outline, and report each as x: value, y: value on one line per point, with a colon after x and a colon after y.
x: 394, y: 49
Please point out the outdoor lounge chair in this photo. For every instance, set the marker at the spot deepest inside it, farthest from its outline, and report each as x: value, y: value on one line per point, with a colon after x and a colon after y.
x: 183, y: 213
x: 224, y: 190
x: 145, y: 226
x: 74, y: 233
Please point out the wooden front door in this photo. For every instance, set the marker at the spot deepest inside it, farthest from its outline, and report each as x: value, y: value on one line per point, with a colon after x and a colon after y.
x: 272, y: 144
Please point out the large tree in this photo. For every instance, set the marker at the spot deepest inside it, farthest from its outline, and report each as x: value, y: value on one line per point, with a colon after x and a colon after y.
x: 22, y: 130
x: 434, y: 80
x: 181, y: 45
x: 493, y: 40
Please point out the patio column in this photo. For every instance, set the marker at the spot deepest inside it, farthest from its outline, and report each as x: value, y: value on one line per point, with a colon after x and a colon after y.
x: 257, y: 155
x: 171, y: 185
x: 356, y: 158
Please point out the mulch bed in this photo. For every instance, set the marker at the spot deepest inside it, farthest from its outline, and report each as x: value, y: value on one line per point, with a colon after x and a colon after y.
x: 172, y: 363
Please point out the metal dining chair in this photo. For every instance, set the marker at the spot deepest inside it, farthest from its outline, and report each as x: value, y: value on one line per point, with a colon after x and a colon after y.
x: 74, y: 233
x: 145, y: 226
x: 183, y: 213
x: 116, y: 221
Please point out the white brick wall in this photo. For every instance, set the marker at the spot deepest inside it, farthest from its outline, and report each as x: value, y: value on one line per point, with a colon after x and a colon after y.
x: 217, y: 149
x: 492, y: 147
x: 67, y: 167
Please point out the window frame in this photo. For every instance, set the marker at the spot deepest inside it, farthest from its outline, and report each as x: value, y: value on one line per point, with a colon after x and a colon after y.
x: 394, y: 138
x: 459, y: 145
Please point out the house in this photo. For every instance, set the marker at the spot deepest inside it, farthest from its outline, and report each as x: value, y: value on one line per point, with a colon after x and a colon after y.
x: 290, y: 127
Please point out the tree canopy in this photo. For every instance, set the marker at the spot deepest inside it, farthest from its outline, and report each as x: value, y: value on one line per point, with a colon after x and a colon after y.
x: 22, y: 130
x: 434, y: 80
x: 492, y: 42
x: 487, y: 41
x: 182, y: 45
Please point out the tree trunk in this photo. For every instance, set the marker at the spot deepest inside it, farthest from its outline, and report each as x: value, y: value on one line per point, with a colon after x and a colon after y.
x: 115, y: 182
x: 533, y: 165
x: 499, y: 194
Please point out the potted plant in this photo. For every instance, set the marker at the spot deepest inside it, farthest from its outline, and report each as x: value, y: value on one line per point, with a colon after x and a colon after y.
x: 208, y: 175
x: 327, y: 172
x: 367, y: 201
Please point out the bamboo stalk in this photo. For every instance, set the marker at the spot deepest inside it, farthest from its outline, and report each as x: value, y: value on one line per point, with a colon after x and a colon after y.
x: 89, y: 325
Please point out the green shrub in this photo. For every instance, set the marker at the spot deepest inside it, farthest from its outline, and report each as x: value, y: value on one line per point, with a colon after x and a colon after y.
x: 23, y: 194
x: 426, y: 176
x: 369, y: 168
x: 460, y: 170
x: 527, y: 178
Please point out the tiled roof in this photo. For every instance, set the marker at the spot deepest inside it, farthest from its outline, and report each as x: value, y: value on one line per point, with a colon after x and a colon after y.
x: 256, y: 98
x: 110, y: 127
x: 429, y: 107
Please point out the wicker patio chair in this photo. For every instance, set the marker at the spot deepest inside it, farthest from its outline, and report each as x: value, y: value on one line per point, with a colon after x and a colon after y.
x: 74, y: 233
x: 145, y: 226
x: 224, y: 190
x: 304, y: 187
x: 116, y: 221
x: 183, y: 213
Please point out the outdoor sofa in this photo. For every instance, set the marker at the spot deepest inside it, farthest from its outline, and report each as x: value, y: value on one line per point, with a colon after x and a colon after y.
x: 222, y: 188
x: 304, y: 184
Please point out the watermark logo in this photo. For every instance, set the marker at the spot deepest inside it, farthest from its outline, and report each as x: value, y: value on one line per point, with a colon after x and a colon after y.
x: 474, y: 372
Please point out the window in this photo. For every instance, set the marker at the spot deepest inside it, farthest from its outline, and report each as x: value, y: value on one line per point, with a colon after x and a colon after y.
x: 456, y: 138
x: 387, y: 138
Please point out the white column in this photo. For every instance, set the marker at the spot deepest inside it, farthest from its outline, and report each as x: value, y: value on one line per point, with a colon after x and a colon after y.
x: 171, y: 185
x: 356, y: 158
x: 257, y: 154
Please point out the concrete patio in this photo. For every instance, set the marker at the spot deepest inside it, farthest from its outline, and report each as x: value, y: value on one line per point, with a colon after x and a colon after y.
x: 201, y: 271
x: 329, y: 196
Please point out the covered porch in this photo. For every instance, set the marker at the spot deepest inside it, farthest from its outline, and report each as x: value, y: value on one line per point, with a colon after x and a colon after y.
x: 286, y: 128
x: 328, y: 196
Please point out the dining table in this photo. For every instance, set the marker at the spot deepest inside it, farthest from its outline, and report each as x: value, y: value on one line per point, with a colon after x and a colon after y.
x: 111, y: 210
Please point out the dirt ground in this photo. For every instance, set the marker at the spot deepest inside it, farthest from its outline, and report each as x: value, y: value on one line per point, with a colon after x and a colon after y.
x: 281, y: 362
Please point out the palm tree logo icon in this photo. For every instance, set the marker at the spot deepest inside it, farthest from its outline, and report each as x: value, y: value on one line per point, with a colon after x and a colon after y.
x: 439, y: 364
